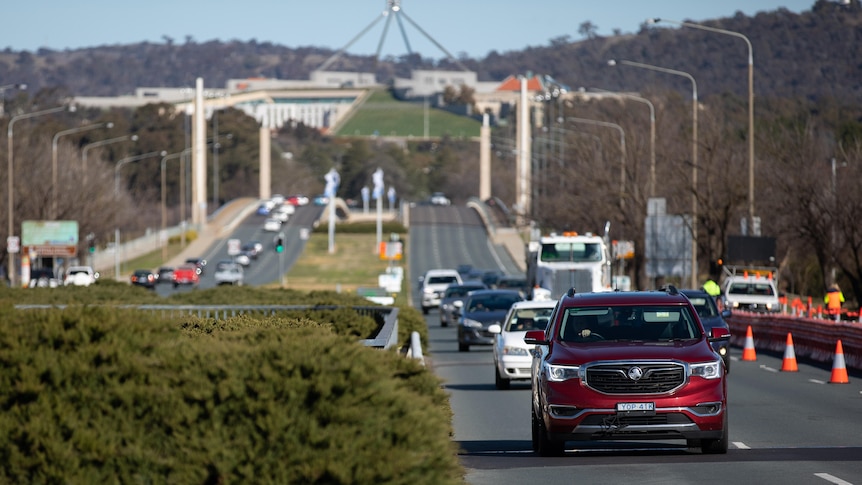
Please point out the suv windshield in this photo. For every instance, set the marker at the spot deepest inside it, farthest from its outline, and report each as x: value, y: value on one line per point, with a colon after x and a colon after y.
x: 764, y: 289
x: 636, y: 323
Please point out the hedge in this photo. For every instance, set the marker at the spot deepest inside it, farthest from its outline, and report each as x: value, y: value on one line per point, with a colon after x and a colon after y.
x: 95, y: 394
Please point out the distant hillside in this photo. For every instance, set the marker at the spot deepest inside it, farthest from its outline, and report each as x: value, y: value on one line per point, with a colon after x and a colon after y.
x: 814, y: 54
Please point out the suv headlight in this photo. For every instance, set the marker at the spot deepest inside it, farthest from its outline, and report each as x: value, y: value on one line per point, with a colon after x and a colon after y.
x: 707, y: 370
x: 560, y: 373
x: 471, y: 323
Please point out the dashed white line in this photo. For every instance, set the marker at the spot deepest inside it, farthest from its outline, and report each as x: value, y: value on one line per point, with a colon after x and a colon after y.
x: 832, y: 479
x: 817, y: 381
x: 768, y: 369
x: 740, y: 445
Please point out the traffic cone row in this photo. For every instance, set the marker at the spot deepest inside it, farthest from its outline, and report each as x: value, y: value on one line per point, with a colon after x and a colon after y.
x: 789, y: 364
x: 748, y: 352
x: 839, y: 368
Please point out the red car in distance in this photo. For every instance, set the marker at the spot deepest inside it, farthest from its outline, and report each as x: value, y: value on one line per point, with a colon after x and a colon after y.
x: 186, y: 275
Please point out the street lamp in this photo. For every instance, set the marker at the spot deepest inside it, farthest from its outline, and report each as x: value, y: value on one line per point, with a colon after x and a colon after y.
x: 165, y: 159
x: 11, y: 177
x: 3, y: 89
x: 130, y: 160
x: 622, y: 150
x: 57, y: 136
x: 100, y: 143
x: 652, y: 132
x: 613, y: 62
x: 750, y: 105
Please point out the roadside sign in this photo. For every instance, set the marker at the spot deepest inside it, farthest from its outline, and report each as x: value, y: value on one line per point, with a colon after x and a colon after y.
x: 233, y: 247
x: 13, y: 244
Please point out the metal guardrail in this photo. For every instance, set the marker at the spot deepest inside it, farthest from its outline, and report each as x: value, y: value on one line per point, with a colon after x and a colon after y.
x: 387, y: 317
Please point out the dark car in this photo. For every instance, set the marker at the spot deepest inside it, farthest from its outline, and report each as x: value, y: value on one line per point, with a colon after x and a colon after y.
x: 481, y: 309
x: 711, y: 317
x: 143, y: 277
x: 631, y: 365
x: 165, y: 274
x: 454, y: 297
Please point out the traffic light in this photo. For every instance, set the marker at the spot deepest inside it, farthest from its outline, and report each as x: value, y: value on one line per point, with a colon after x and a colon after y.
x: 91, y: 240
x: 279, y: 244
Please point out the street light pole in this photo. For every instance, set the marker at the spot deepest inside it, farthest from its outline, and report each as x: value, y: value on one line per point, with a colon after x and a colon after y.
x: 622, y: 150
x: 651, y: 132
x: 750, y: 105
x: 130, y: 160
x: 54, y: 143
x: 693, y: 153
x: 10, y: 171
x: 96, y: 144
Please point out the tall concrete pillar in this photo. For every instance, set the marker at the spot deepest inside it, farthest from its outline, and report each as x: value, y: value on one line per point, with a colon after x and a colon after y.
x: 485, y: 159
x: 524, y: 146
x: 199, y: 158
x: 265, y: 163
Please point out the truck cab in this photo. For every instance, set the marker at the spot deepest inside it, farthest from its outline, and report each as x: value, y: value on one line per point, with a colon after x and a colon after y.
x: 751, y: 289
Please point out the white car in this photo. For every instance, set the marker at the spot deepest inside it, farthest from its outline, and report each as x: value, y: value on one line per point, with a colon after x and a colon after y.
x: 439, y: 198
x: 272, y: 225
x: 434, y: 284
x: 512, y: 359
x: 229, y: 274
x: 80, y: 276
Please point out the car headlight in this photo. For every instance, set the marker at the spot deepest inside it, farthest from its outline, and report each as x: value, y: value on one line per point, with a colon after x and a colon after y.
x: 707, y: 370
x: 471, y: 323
x: 560, y: 373
x: 509, y: 350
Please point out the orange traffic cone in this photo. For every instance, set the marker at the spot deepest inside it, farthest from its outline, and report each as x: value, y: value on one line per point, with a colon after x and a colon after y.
x: 789, y: 364
x: 748, y: 352
x: 839, y: 369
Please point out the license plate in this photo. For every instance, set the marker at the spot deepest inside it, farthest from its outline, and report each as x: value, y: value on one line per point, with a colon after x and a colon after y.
x: 636, y: 407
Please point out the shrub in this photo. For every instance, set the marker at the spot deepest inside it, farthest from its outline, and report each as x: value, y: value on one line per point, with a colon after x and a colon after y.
x: 92, y: 394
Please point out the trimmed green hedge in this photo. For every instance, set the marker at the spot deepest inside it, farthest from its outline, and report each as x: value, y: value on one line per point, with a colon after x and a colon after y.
x: 94, y: 394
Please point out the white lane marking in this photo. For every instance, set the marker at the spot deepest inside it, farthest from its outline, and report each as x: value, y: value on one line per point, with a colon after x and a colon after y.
x: 740, y: 445
x: 767, y: 368
x: 817, y: 381
x: 832, y: 479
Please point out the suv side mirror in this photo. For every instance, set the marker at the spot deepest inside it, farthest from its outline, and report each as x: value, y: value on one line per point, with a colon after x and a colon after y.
x: 536, y: 337
x: 718, y: 334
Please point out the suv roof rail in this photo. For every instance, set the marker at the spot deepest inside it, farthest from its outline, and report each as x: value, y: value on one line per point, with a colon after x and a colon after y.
x: 671, y: 290
x: 571, y: 292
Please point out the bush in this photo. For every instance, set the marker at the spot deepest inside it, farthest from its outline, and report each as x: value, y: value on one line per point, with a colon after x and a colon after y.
x: 92, y: 394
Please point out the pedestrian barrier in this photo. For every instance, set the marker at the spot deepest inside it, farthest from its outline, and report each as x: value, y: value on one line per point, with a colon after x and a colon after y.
x: 839, y: 369
x: 789, y: 363
x: 748, y: 352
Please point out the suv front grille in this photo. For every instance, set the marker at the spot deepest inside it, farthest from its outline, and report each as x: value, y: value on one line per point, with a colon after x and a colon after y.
x: 655, y: 378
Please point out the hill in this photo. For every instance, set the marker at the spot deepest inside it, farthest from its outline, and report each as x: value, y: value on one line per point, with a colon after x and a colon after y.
x: 813, y: 54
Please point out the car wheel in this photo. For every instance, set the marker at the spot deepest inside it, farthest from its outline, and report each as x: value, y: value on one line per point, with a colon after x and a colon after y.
x: 718, y: 446
x: 542, y: 445
x: 501, y: 383
x: 463, y: 347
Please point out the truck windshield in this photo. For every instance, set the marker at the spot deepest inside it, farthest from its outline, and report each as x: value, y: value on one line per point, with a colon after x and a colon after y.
x: 571, y: 252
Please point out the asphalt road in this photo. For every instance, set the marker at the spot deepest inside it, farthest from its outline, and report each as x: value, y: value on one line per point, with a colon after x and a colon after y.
x: 785, y: 427
x: 269, y: 264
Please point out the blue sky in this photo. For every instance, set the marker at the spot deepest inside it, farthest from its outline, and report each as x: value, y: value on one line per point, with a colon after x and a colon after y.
x: 474, y: 27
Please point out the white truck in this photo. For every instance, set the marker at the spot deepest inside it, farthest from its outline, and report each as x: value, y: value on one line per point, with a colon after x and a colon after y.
x: 556, y: 263
x: 751, y: 289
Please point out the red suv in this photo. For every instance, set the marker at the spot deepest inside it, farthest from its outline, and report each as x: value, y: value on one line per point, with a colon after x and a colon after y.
x: 627, y: 366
